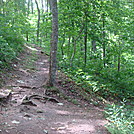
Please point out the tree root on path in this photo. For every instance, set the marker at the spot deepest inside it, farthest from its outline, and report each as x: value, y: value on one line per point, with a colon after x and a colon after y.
x: 25, y: 86
x: 47, y: 98
x: 27, y: 100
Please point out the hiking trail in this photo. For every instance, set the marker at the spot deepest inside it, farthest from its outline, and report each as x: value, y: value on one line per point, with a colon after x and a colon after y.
x: 28, y: 107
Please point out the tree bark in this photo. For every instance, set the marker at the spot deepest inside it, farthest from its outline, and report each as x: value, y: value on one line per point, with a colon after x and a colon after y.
x: 93, y: 45
x: 85, y: 40
x: 38, y: 22
x: 74, y: 51
x: 32, y: 7
x: 28, y: 7
x: 54, y: 42
x: 119, y: 57
x: 104, y: 45
x: 42, y: 4
x: 68, y: 50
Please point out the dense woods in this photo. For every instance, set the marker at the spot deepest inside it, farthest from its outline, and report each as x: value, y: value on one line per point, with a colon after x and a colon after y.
x: 95, y: 46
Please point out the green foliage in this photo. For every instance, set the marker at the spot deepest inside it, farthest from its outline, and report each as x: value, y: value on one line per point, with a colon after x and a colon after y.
x: 120, y: 84
x: 104, y: 68
x: 13, y: 28
x: 6, y: 51
x: 110, y: 65
x: 121, y: 119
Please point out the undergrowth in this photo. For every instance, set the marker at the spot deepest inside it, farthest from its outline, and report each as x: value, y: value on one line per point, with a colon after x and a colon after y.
x: 112, y: 86
x: 121, y: 118
x: 9, y: 51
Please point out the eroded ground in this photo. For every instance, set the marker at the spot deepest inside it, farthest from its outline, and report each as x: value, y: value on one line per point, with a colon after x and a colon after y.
x: 26, y: 114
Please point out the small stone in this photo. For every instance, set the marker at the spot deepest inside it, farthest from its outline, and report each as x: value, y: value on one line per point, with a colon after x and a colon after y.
x: 20, y: 81
x: 39, y: 111
x: 27, y: 115
x: 61, y: 128
x: 73, y: 120
x: 15, y: 122
x: 60, y: 104
x: 45, y: 131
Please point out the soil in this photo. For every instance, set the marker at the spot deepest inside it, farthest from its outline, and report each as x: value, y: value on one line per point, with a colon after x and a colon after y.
x: 31, y: 108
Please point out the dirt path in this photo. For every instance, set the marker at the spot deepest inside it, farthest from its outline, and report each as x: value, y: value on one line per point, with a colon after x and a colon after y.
x: 29, y: 112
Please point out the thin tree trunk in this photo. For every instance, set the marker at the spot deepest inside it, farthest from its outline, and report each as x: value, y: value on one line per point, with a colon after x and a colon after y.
x: 68, y: 51
x: 104, y: 45
x: 85, y: 41
x: 42, y: 3
x: 47, y: 8
x: 54, y: 42
x: 74, y: 44
x: 74, y: 51
x: 119, y: 58
x: 119, y: 62
x: 74, y: 48
x: 93, y: 42
x: 27, y: 36
x: 85, y: 48
x: 38, y: 22
x: 32, y: 8
x: 28, y: 6
x: 24, y: 7
x: 62, y: 51
x: 93, y: 45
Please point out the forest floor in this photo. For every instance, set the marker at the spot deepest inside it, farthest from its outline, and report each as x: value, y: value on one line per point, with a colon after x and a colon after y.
x: 30, y: 108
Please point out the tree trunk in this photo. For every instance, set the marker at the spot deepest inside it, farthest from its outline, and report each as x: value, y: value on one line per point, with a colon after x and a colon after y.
x: 104, y: 45
x: 47, y: 9
x: 85, y: 40
x: 54, y: 42
x: 42, y: 3
x: 68, y: 50
x: 93, y: 45
x: 74, y: 51
x: 93, y: 42
x: 38, y: 22
x: 119, y: 57
x: 74, y: 48
x: 62, y: 50
x: 32, y: 7
x: 28, y: 7
x: 119, y: 62
x: 27, y: 36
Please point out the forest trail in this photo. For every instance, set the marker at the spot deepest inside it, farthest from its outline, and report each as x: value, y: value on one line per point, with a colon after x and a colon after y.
x: 30, y: 111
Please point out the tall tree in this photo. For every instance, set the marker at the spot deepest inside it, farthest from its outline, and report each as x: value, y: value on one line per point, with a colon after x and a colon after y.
x: 38, y: 22
x: 54, y: 41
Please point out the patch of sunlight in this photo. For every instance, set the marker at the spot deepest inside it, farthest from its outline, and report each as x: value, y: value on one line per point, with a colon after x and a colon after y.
x: 33, y: 49
x: 63, y: 112
x: 81, y: 127
x: 101, y: 122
